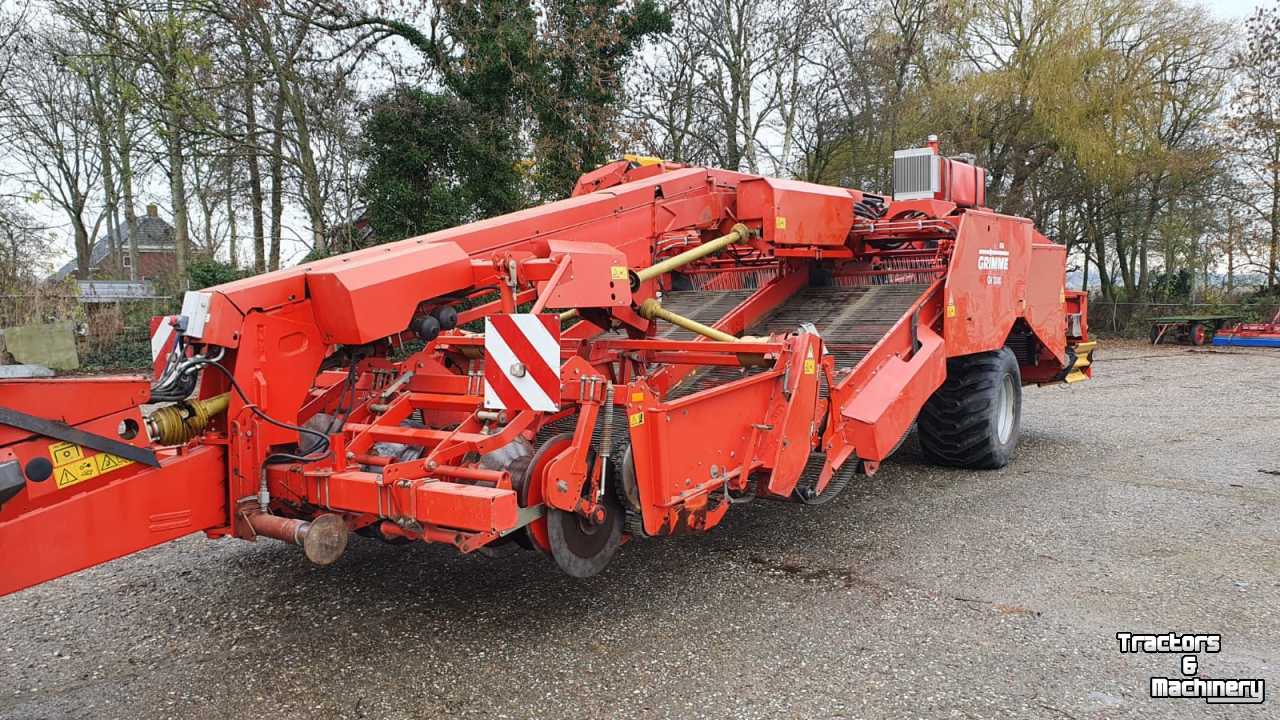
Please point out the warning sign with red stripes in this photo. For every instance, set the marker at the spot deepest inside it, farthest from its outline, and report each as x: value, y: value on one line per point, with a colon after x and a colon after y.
x: 522, y: 362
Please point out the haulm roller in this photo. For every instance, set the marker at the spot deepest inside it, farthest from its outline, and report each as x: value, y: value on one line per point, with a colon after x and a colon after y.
x: 629, y: 363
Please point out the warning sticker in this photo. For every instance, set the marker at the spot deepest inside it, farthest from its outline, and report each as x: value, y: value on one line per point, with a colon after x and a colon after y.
x: 637, y: 397
x: 780, y: 223
x: 810, y: 365
x: 635, y: 419
x: 618, y: 272
x: 107, y: 462
x: 75, y: 472
x: 65, y: 452
x: 80, y: 468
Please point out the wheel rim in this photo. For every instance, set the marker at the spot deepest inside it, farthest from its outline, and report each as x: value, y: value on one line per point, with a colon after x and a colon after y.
x: 1004, y: 419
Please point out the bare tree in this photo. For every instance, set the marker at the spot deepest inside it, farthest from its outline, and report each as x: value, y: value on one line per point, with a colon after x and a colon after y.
x: 668, y: 115
x: 282, y: 36
x: 24, y: 247
x: 1254, y: 127
x: 55, y: 144
x: 12, y: 20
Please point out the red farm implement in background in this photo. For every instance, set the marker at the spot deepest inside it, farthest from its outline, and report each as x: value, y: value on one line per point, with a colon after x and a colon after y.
x: 623, y: 364
x: 1266, y: 334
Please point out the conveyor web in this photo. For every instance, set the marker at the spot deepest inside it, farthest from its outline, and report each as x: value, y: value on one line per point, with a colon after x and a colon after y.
x: 851, y: 321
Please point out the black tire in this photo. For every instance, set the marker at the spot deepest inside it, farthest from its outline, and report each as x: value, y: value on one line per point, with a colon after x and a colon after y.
x: 1198, y: 334
x: 973, y: 420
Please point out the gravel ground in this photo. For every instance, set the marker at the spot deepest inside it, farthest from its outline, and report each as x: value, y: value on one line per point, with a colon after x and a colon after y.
x: 1144, y: 500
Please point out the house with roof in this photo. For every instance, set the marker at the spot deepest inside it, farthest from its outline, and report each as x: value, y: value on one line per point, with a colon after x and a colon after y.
x: 156, y: 254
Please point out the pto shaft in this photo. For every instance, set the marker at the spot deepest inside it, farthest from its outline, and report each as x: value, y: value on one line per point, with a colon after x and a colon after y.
x: 178, y: 423
x: 651, y: 309
x: 738, y: 233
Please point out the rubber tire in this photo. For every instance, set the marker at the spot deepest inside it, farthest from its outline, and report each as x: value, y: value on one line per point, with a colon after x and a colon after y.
x: 1198, y: 334
x: 959, y: 424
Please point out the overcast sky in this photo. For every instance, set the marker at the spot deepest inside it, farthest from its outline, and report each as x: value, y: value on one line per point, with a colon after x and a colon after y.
x: 1232, y: 9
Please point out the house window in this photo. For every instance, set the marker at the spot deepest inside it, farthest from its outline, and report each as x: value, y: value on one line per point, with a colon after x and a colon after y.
x: 127, y: 261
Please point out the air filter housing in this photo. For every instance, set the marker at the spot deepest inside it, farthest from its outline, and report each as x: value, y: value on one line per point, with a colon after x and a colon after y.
x: 917, y: 174
x: 923, y: 174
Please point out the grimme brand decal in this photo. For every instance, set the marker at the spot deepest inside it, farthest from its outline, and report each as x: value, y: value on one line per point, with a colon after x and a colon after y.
x: 1191, y: 684
x: 989, y: 259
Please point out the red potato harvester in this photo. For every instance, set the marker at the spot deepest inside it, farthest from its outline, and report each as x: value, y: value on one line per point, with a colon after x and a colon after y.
x: 627, y: 363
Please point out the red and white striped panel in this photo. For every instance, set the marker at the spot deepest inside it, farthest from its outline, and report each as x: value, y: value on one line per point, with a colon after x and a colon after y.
x: 522, y: 362
x: 162, y: 339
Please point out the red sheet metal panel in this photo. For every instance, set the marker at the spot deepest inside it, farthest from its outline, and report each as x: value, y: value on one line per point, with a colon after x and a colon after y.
x: 790, y: 212
x: 467, y: 507
x: 185, y: 494
x: 986, y: 287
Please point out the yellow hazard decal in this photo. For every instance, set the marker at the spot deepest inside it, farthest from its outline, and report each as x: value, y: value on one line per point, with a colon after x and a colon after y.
x: 780, y: 223
x: 637, y: 397
x: 618, y: 272
x: 65, y: 452
x: 107, y: 462
x: 635, y: 419
x: 72, y: 467
x: 810, y: 365
x: 75, y: 472
x: 951, y: 309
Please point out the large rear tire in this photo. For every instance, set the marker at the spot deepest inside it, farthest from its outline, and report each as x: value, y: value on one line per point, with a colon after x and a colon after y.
x: 973, y: 420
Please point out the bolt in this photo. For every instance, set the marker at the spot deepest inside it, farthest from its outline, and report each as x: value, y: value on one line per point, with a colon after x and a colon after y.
x: 562, y: 486
x: 517, y: 370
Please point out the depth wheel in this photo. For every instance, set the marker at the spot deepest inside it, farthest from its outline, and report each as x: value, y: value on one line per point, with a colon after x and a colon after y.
x: 526, y: 480
x: 581, y: 547
x: 973, y: 420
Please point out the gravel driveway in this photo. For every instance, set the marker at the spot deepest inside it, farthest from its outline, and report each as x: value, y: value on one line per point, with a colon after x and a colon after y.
x: 1145, y: 500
